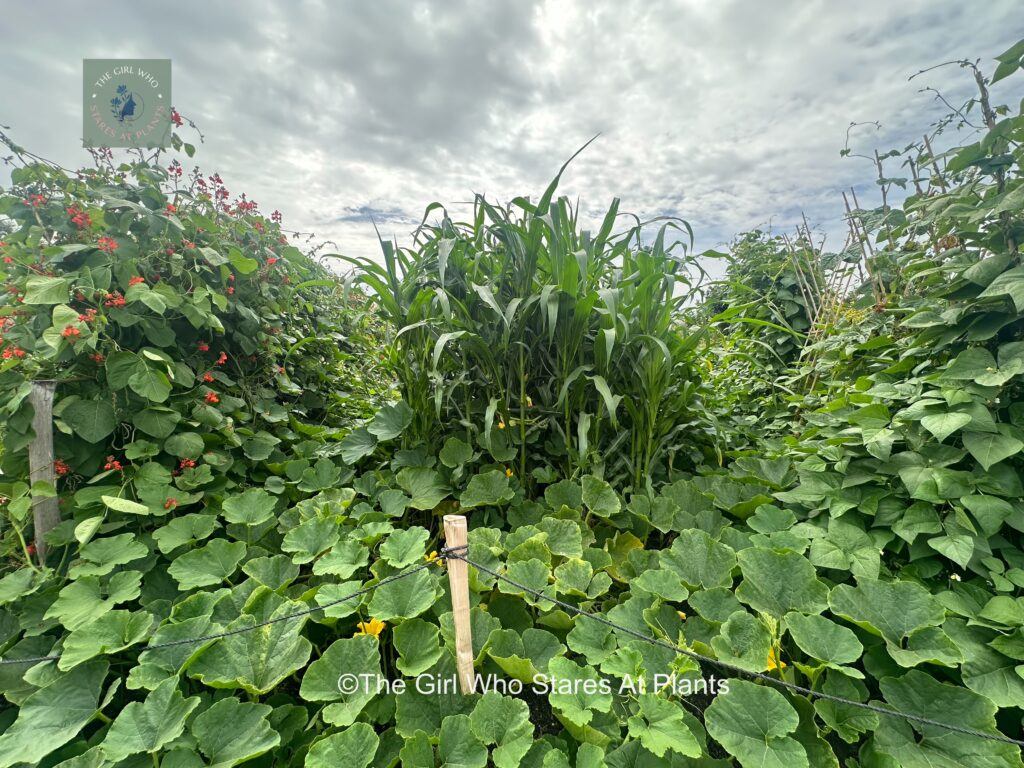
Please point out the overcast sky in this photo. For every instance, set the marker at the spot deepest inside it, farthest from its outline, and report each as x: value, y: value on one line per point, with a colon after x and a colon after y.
x: 729, y: 114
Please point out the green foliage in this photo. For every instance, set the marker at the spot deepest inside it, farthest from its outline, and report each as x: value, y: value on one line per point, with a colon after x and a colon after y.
x: 860, y: 538
x: 543, y: 346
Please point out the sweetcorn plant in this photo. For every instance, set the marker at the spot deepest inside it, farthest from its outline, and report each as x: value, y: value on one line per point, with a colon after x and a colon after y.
x: 543, y: 346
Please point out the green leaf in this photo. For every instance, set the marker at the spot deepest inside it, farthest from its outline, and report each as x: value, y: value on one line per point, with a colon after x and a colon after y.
x: 455, y: 453
x: 505, y: 723
x: 572, y: 695
x: 753, y: 723
x: 151, y: 384
x: 311, y: 538
x: 458, y: 747
x: 120, y: 366
x: 663, y: 583
x: 356, y: 445
x: 891, y: 610
x: 424, y: 486
x: 46, y: 290
x: 660, y: 726
x: 185, y: 445
x: 418, y: 646
x: 989, y: 448
x: 231, y: 732
x: 700, y: 560
x: 1009, y: 283
x: 779, y: 581
x: 600, y: 498
x: 112, y: 632
x: 53, y: 715
x: 157, y: 422
x: 920, y: 694
x: 184, y: 530
x: 323, y: 679
x: 150, y: 725
x: 82, y: 600
x: 745, y: 641
x: 405, y: 547
x: 354, y: 747
x: 100, y: 556
x: 242, y: 263
x: 91, y: 420
x: 125, y: 505
x: 486, y: 489
x: 524, y: 656
x: 942, y: 425
x: 404, y: 599
x: 823, y: 639
x: 252, y: 507
x: 208, y: 565
x: 390, y: 421
x: 256, y: 661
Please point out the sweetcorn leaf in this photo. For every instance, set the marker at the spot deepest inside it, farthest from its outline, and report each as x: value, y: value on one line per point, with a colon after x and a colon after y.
x: 753, y: 723
x: 149, y: 725
x: 53, y: 715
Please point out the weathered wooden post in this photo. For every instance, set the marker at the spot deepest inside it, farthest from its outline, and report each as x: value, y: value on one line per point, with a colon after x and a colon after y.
x: 455, y: 534
x: 45, y: 512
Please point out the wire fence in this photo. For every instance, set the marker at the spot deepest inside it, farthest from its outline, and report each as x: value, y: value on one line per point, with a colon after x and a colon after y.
x: 461, y: 553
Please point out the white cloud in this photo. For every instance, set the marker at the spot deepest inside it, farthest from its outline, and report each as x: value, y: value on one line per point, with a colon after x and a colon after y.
x: 729, y: 114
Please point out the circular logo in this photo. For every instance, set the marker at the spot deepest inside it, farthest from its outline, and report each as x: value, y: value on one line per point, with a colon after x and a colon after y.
x: 127, y: 106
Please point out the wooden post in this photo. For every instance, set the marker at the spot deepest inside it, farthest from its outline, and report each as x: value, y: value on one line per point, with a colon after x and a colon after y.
x: 455, y: 535
x: 45, y: 512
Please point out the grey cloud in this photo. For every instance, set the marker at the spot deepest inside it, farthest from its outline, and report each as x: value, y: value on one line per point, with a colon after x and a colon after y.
x: 729, y: 114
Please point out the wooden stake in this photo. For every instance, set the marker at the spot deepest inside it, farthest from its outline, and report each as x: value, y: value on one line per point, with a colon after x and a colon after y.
x: 45, y: 512
x: 455, y: 534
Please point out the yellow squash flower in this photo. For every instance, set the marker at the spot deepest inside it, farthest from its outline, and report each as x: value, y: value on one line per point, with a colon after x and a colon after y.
x: 508, y: 472
x: 501, y: 424
x: 774, y: 662
x: 681, y: 615
x: 433, y: 557
x: 372, y: 627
